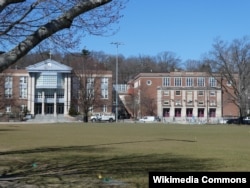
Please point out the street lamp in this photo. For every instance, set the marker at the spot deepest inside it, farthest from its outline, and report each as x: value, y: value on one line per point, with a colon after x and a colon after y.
x: 116, y: 80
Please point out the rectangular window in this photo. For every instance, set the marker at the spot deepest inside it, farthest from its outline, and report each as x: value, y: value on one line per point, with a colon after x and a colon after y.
x: 104, y: 108
x: 178, y: 93
x: 177, y: 81
x: 23, y: 79
x: 23, y: 93
x: 8, y: 87
x: 212, y: 93
x: 212, y: 82
x: 166, y: 102
x: 104, y: 87
x: 121, y: 88
x: 166, y: 81
x: 104, y: 93
x: 105, y: 80
x: 90, y: 81
x: 201, y: 112
x: 189, y: 82
x: 60, y: 93
x: 38, y: 94
x: 178, y: 103
x: 166, y: 93
x: 90, y: 88
x: 212, y: 112
x: 8, y: 109
x: 90, y: 93
x: 23, y: 108
x: 200, y: 102
x: 23, y: 87
x: 49, y: 93
x: 177, y: 112
x: 8, y: 92
x: 200, y: 93
x: 48, y: 80
x: 8, y: 79
x: 201, y: 81
x: 212, y: 103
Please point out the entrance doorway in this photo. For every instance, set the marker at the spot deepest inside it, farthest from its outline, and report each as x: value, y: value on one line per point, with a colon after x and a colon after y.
x: 38, y: 108
x: 189, y: 112
x: 166, y: 112
x: 49, y: 108
x: 60, y: 108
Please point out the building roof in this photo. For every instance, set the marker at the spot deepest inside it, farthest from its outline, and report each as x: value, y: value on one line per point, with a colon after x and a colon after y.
x: 174, y: 74
x: 49, y: 65
x: 15, y: 71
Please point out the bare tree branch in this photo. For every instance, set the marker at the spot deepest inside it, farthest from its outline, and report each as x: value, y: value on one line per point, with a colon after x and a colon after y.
x: 37, y: 22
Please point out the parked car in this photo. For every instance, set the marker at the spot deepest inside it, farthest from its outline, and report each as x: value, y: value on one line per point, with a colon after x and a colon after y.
x: 146, y: 119
x: 102, y: 117
x: 246, y: 120
x: 233, y: 121
x: 239, y: 120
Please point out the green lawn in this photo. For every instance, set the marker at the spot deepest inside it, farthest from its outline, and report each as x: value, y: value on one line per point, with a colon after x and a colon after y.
x: 116, y: 155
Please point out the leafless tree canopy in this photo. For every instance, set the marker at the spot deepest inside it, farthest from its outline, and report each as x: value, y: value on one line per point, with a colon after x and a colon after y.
x: 26, y: 24
x: 232, y: 62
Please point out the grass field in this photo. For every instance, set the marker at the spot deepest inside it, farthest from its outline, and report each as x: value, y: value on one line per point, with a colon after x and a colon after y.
x: 116, y: 155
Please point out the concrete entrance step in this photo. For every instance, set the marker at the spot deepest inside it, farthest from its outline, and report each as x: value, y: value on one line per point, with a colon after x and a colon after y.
x: 51, y: 118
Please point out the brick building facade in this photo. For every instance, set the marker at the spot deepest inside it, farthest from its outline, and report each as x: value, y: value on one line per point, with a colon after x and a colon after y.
x: 50, y: 87
x: 47, y: 88
x: 181, y: 96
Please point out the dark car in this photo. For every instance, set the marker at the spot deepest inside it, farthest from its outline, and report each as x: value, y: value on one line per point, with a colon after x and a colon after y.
x: 246, y: 120
x: 237, y: 121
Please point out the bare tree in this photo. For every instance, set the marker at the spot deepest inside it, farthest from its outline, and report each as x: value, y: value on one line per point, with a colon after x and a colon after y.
x: 147, y: 101
x: 194, y: 65
x: 232, y: 62
x: 26, y: 24
x: 167, y: 61
x: 9, y: 97
x: 132, y: 102
x: 2, y: 90
x: 87, y: 92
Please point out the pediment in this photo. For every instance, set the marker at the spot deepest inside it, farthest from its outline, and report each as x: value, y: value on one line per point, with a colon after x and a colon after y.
x: 49, y: 65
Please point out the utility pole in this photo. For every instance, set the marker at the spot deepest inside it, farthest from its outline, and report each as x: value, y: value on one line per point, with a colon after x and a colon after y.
x: 117, y: 44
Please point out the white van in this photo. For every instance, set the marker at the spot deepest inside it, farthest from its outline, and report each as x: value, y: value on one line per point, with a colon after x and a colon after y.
x: 147, y: 119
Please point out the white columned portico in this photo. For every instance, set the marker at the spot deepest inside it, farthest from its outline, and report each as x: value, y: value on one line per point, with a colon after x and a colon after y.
x: 45, y: 77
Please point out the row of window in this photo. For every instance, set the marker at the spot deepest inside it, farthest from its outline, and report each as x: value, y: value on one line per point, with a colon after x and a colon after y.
x: 22, y: 93
x: 49, y: 93
x: 189, y: 82
x: 189, y: 112
x: 50, y: 81
x: 8, y: 91
x: 8, y: 108
x: 189, y: 102
x: 104, y: 87
x: 178, y: 93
